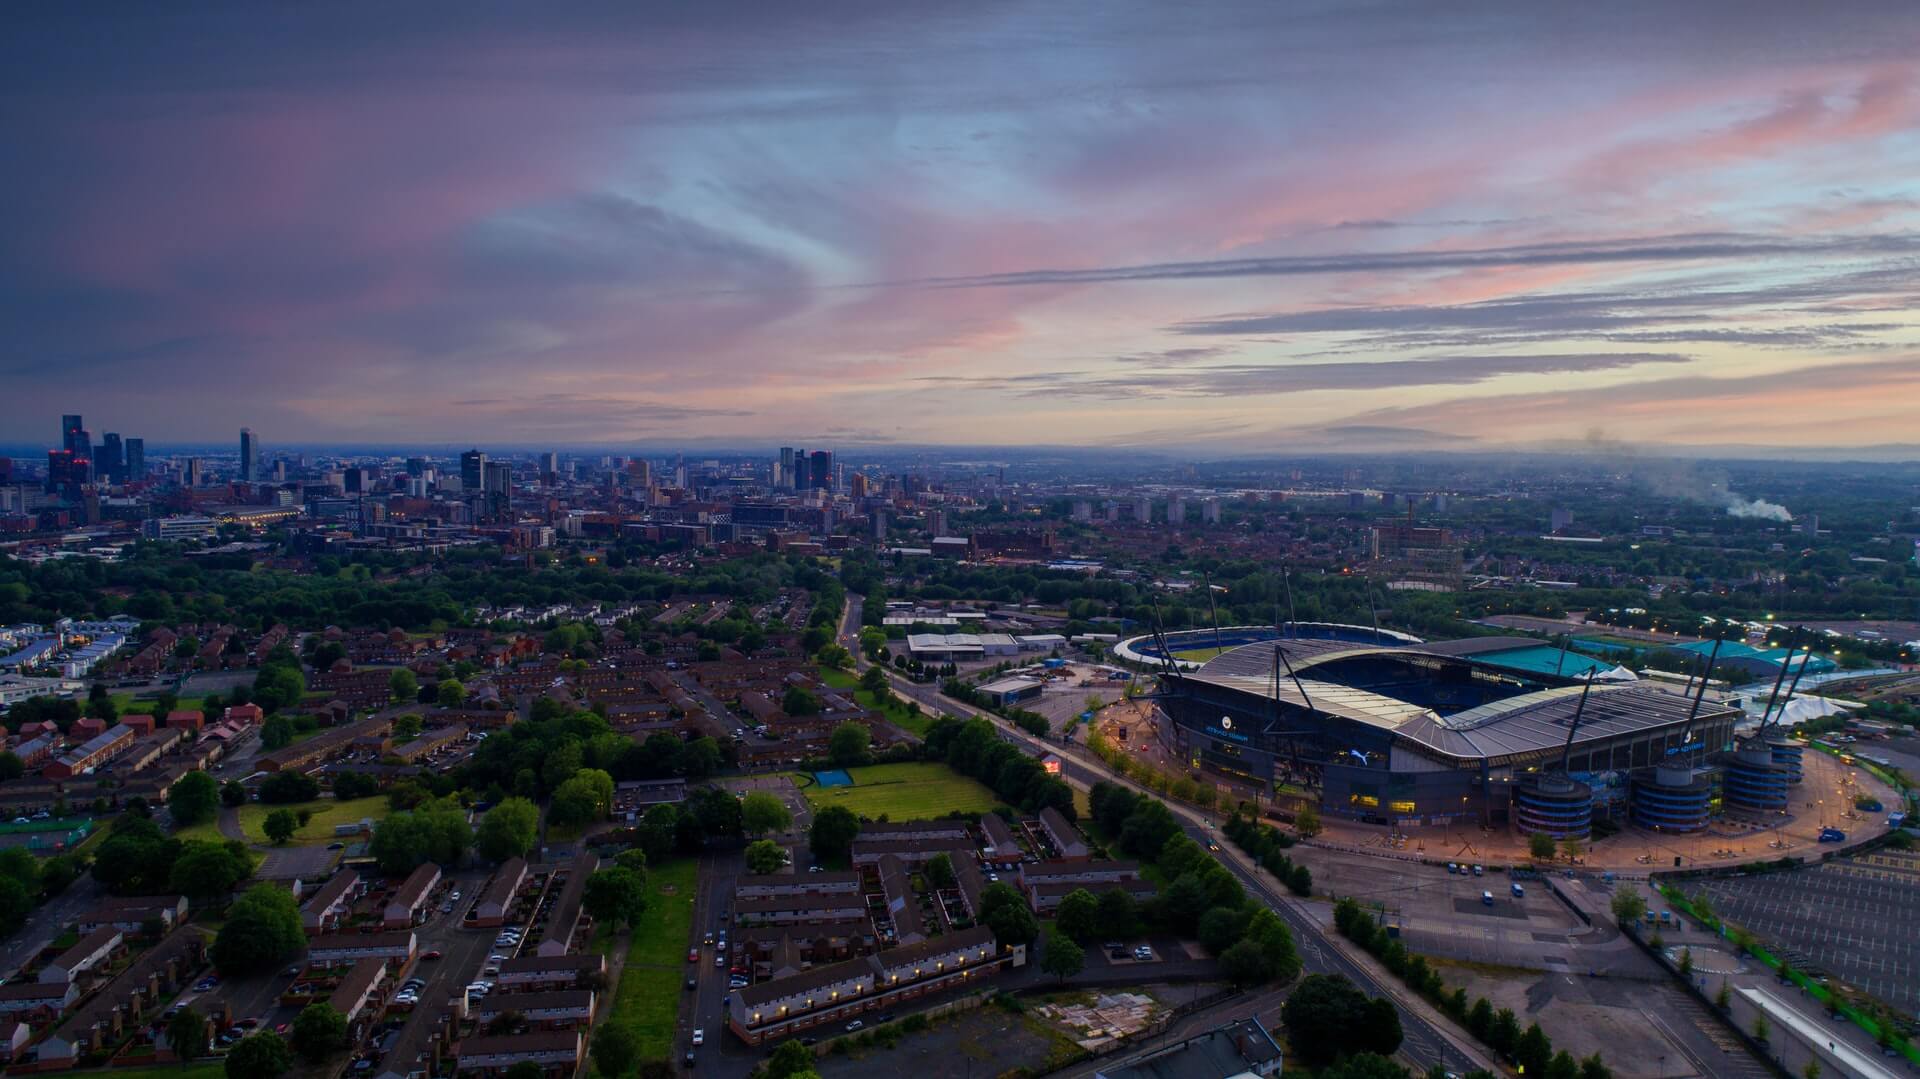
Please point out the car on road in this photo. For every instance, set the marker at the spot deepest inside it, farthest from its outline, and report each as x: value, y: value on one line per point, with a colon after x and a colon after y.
x: 719, y: 960
x: 855, y: 1025
x: 1143, y: 952
x: 434, y: 954
x: 699, y: 1036
x: 455, y: 896
x: 336, y: 846
x: 283, y: 1028
x: 693, y: 955
x: 692, y: 983
x: 708, y: 939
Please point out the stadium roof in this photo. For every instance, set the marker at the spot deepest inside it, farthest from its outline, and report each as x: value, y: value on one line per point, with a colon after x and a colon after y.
x: 1528, y: 722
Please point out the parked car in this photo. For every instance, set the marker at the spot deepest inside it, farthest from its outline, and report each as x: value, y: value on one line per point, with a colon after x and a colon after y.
x: 1143, y: 952
x: 699, y: 1036
x: 855, y: 1025
x: 435, y: 954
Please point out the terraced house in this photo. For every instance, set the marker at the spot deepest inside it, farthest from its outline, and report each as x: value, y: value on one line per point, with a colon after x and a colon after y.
x: 839, y: 992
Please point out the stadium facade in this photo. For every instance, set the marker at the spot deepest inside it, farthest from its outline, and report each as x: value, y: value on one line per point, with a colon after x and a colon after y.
x: 1388, y: 729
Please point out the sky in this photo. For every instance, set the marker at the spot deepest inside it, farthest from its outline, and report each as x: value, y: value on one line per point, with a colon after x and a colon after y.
x: 1213, y: 227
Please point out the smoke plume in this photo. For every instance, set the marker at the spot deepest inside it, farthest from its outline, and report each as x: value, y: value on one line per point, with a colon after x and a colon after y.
x: 1689, y: 480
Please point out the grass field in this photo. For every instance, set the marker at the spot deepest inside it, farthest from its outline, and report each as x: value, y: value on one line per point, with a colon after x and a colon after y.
x: 903, y: 792
x: 648, y: 997
x: 327, y: 812
x: 1200, y: 655
x: 895, y: 708
x: 129, y: 705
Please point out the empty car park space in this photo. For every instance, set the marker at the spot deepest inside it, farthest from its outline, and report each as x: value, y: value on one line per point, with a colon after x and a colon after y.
x: 1834, y: 918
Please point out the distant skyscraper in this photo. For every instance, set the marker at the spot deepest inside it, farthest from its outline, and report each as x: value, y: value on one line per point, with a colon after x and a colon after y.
x: 822, y: 469
x: 473, y: 470
x: 1210, y: 511
x: 857, y: 486
x: 195, y: 472
x: 111, y: 461
x: 354, y: 481
x: 499, y: 486
x: 71, y: 438
x: 136, y: 466
x: 249, y: 455
x: 66, y: 474
x: 549, y: 467
x: 416, y: 467
x: 787, y: 478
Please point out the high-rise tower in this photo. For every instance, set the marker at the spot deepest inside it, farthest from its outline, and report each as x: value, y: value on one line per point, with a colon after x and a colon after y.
x: 249, y: 455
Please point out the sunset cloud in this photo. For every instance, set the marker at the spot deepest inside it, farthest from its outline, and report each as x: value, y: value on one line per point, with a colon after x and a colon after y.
x: 1097, y: 224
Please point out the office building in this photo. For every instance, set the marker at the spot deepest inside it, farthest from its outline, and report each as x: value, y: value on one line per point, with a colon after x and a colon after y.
x: 195, y: 473
x: 249, y: 455
x: 473, y: 470
x: 66, y: 473
x: 788, y: 477
x: 549, y: 468
x: 417, y: 467
x: 820, y: 470
x: 74, y: 438
x: 497, y: 484
x: 136, y: 465
x: 111, y: 461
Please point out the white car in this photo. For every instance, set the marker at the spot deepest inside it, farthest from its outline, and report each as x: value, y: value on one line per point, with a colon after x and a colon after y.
x: 455, y: 896
x: 699, y: 1036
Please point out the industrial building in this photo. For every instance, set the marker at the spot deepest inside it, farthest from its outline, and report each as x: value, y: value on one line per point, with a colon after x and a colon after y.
x: 1395, y: 730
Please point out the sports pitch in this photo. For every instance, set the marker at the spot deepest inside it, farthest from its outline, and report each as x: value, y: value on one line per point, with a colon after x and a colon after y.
x: 901, y: 792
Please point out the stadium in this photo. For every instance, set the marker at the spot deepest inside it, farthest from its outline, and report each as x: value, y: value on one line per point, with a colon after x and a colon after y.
x: 1388, y: 729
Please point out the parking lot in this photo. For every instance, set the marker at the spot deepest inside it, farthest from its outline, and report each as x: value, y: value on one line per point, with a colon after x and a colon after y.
x: 1851, y: 918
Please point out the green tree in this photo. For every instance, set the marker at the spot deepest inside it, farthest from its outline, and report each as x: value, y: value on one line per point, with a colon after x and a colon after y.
x: 11, y: 766
x: 319, y: 1031
x: 615, y: 896
x: 939, y: 871
x: 1760, y: 1028
x: 761, y: 812
x: 450, y: 693
x: 408, y: 727
x: 1540, y: 845
x: 585, y: 798
x: 234, y: 793
x: 433, y: 831
x: 1629, y: 906
x: 1534, y: 1049
x: 1570, y: 848
x: 1243, y: 963
x: 1563, y: 1066
x: 207, y: 872
x: 187, y: 1034
x: 259, y: 1056
x: 1812, y: 1070
x: 798, y: 702
x: 277, y: 732
x: 262, y: 930
x: 1594, y: 1068
x: 1504, y: 1034
x: 790, y: 1059
x: 847, y: 745
x: 1063, y: 958
x: 1004, y: 911
x: 280, y: 825
x: 832, y: 833
x: 765, y: 856
x: 526, y: 1069
x: 1367, y: 1066
x: 616, y: 1049
x: 1078, y: 916
x: 1724, y: 998
x: 508, y: 830
x: 1686, y: 962
x: 1306, y: 821
x: 1326, y: 1016
x: 1117, y: 913
x: 402, y: 685
x: 874, y: 679
x: 193, y: 799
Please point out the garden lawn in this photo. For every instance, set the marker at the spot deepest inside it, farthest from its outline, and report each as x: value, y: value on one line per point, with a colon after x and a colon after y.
x: 327, y: 812
x: 903, y: 792
x: 648, y: 997
x: 895, y: 708
x: 127, y: 704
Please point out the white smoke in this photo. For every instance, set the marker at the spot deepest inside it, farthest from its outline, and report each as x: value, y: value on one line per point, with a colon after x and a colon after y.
x: 1694, y: 481
x: 1739, y: 506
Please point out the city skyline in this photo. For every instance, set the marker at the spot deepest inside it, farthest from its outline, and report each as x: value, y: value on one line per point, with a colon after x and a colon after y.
x: 1229, y: 231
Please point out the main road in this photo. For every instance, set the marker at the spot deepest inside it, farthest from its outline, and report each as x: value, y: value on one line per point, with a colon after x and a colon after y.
x: 1425, y: 1040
